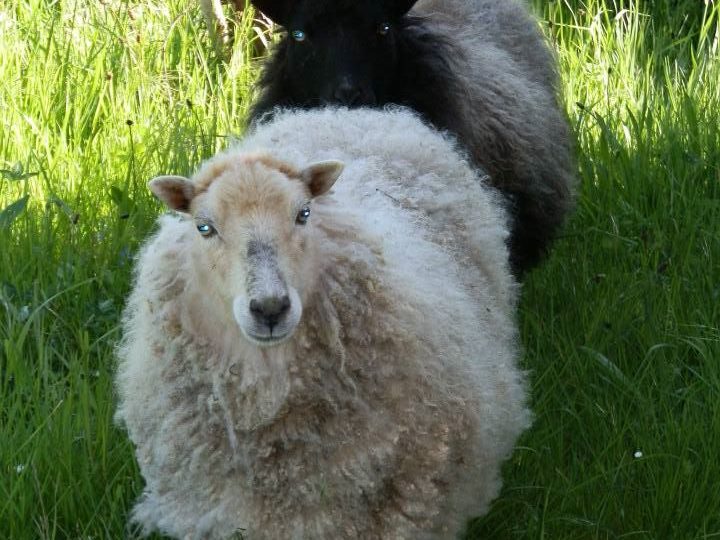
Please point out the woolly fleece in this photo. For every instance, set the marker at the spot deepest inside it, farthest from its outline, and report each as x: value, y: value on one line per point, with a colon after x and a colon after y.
x: 388, y: 413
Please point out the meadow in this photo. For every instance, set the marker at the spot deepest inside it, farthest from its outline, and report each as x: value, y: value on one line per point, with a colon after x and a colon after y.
x: 620, y: 326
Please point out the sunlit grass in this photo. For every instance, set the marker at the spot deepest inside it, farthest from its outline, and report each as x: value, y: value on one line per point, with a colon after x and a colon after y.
x: 620, y: 327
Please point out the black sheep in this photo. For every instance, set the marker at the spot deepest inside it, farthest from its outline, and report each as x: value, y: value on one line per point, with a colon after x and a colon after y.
x: 477, y: 68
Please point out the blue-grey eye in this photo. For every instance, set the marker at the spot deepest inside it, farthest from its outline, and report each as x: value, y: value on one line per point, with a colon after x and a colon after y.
x: 303, y: 215
x: 383, y: 28
x: 298, y: 35
x: 205, y: 229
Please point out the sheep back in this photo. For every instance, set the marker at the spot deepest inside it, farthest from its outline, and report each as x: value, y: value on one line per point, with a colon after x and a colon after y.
x: 504, y: 106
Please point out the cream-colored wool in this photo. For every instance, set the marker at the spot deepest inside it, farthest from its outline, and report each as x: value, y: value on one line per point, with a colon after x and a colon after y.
x: 388, y: 412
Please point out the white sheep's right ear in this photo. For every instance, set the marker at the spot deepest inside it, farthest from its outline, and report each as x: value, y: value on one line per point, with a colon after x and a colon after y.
x: 320, y: 177
x: 175, y: 191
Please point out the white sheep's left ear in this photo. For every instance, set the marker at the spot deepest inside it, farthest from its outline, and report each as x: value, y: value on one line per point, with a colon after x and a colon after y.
x: 321, y: 176
x: 175, y: 191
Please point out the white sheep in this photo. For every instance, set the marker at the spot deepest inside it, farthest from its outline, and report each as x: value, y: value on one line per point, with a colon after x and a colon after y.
x: 300, y: 363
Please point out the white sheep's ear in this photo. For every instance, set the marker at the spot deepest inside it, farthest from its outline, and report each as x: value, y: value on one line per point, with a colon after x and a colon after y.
x: 321, y: 176
x: 175, y: 191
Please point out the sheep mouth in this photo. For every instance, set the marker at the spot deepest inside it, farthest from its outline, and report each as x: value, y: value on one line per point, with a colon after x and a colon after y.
x: 268, y: 341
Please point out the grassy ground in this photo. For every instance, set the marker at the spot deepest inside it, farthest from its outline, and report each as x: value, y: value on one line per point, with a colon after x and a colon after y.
x: 620, y: 327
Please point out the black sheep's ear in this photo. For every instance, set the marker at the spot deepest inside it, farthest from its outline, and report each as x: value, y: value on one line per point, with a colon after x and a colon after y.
x: 277, y: 10
x: 401, y: 7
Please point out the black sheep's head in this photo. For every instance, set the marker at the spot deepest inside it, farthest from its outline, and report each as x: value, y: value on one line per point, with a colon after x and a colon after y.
x: 336, y: 51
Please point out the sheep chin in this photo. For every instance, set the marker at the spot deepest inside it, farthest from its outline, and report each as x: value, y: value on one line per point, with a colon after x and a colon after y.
x: 282, y: 332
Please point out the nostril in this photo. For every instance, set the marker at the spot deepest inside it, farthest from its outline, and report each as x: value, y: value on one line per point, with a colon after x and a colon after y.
x: 284, y: 304
x: 255, y: 307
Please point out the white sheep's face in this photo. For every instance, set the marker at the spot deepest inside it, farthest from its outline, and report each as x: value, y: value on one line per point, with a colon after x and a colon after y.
x: 253, y: 254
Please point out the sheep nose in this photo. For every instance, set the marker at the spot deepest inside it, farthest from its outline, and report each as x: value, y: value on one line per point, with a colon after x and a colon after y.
x: 347, y: 93
x: 270, y: 310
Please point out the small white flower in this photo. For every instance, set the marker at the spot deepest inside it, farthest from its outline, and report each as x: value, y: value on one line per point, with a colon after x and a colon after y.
x: 638, y: 454
x: 23, y: 313
x: 19, y: 468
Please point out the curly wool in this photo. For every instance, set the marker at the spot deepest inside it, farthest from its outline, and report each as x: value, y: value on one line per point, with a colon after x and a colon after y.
x: 390, y: 410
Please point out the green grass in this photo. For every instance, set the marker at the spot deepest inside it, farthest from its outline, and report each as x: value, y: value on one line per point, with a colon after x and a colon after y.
x: 620, y: 326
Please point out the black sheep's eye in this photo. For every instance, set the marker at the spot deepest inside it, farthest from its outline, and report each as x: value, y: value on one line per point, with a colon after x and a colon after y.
x: 298, y: 35
x: 303, y: 215
x: 383, y: 28
x: 205, y: 229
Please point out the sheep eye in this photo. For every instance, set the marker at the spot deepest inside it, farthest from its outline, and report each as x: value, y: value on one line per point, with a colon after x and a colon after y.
x: 205, y: 229
x: 298, y: 35
x: 383, y: 28
x: 303, y: 215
